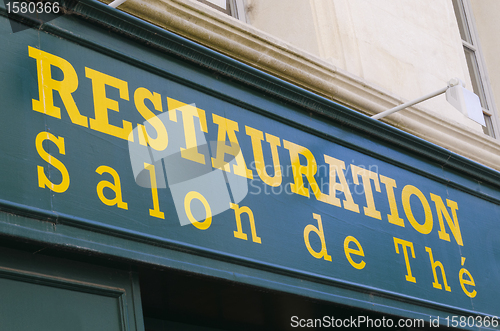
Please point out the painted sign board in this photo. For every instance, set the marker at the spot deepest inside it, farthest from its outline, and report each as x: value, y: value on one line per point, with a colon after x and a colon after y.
x: 162, y: 151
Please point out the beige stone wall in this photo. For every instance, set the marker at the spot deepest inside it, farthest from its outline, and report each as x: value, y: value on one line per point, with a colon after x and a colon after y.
x: 293, y: 24
x: 409, y: 48
x: 324, y: 58
x: 486, y: 13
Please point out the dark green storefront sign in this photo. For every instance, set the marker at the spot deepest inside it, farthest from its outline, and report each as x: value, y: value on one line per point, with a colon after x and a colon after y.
x: 136, y: 143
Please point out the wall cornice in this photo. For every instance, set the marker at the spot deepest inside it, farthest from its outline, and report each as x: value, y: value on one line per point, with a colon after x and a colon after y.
x: 244, y: 43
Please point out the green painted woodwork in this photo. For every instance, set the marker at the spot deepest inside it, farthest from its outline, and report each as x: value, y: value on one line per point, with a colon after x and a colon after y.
x: 98, y: 38
x: 52, y: 294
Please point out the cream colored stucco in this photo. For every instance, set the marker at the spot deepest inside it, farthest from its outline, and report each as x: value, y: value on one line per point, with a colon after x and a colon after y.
x: 381, y: 53
x: 294, y: 24
x: 486, y: 14
x: 410, y: 48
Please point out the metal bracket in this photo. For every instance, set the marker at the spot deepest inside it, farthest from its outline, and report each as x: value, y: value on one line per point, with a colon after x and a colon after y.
x: 451, y: 83
x: 116, y: 3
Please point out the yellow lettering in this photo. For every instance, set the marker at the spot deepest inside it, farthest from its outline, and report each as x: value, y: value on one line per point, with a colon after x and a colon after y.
x: 442, y: 211
x: 348, y: 251
x: 161, y: 140
x: 464, y: 282
x: 208, y: 212
x: 434, y: 265
x: 155, y: 212
x: 408, y: 191
x: 366, y: 176
x: 228, y: 127
x: 260, y: 165
x: 102, y: 104
x: 237, y: 213
x: 43, y: 181
x: 336, y: 169
x: 115, y: 187
x: 393, y: 217
x: 319, y: 231
x: 298, y: 170
x: 405, y: 244
x: 47, y: 85
x: 188, y: 113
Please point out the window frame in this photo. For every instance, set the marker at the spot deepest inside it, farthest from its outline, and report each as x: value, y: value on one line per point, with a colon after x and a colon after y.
x: 234, y: 8
x: 466, y: 22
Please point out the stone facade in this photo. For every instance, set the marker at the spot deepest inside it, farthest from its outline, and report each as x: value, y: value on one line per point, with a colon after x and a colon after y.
x: 367, y: 55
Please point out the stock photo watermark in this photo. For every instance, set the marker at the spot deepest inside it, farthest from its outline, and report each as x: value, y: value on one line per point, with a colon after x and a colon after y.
x: 25, y: 14
x: 198, y: 172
